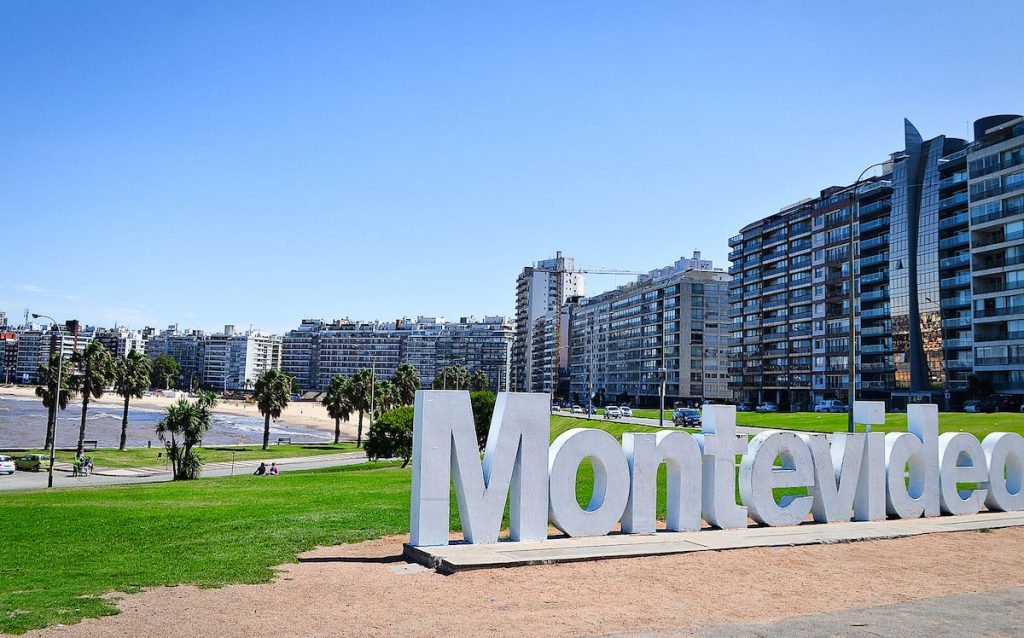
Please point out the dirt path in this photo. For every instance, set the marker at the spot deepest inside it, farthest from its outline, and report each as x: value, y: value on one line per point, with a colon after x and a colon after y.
x: 367, y: 590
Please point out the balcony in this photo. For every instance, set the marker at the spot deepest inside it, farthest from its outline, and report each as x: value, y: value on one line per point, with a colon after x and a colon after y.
x: 874, y: 207
x: 998, y: 312
x: 955, y: 282
x: 1002, y: 335
x: 949, y: 202
x: 735, y: 240
x: 875, y: 331
x: 875, y: 278
x: 875, y: 242
x: 874, y: 224
x: 960, y: 239
x: 874, y: 260
x: 963, y: 301
x: 957, y: 260
x: 957, y: 322
x: 881, y: 312
x: 956, y: 220
x: 1000, y: 361
x: 990, y: 261
x: 992, y: 239
x: 1013, y: 207
x: 876, y: 348
x: 954, y: 179
x: 959, y: 364
x: 996, y: 286
x: 957, y: 344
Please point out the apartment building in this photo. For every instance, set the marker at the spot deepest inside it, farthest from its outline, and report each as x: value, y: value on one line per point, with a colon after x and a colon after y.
x: 317, y: 351
x: 540, y: 349
x: 672, y: 323
x: 36, y: 342
x: 914, y: 234
x: 233, y: 361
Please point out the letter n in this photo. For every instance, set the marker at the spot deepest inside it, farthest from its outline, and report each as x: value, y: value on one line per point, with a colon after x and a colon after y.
x: 445, y: 448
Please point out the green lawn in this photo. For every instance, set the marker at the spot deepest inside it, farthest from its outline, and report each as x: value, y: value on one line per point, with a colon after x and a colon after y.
x: 150, y: 457
x: 60, y: 550
x: 977, y: 424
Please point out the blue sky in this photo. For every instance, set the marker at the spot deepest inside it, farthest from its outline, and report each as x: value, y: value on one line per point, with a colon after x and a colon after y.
x: 250, y: 162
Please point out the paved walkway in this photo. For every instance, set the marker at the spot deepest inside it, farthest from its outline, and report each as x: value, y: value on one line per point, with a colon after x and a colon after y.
x: 653, y: 423
x: 993, y: 613
x: 103, y: 476
x: 461, y: 556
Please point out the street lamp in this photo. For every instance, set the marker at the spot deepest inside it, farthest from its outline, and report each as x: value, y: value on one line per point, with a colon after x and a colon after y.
x: 852, y: 392
x: 56, y: 404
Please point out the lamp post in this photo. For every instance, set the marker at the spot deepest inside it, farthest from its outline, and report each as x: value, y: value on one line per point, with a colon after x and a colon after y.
x: 56, y: 404
x: 852, y: 392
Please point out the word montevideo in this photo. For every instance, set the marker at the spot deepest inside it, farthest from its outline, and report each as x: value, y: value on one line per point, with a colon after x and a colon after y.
x: 866, y: 476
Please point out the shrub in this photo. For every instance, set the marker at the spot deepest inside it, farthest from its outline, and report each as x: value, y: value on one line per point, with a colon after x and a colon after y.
x: 390, y: 436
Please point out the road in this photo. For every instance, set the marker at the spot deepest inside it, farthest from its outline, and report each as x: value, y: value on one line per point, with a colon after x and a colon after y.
x: 62, y: 474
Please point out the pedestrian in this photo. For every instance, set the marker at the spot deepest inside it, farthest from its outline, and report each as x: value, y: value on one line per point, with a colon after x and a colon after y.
x: 76, y: 466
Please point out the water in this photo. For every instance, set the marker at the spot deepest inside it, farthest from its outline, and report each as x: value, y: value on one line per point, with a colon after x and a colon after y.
x: 23, y: 425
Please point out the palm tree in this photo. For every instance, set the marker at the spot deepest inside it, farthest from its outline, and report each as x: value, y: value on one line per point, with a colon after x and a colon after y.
x: 48, y: 390
x: 189, y: 421
x: 131, y: 377
x: 385, y: 398
x: 93, y: 365
x: 361, y: 394
x: 273, y: 390
x: 453, y: 377
x: 478, y: 381
x: 407, y: 382
x: 337, y: 402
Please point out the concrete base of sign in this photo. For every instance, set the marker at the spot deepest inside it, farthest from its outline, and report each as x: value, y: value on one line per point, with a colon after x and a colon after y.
x: 463, y: 556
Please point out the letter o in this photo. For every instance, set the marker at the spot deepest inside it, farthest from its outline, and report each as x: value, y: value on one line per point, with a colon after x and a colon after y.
x: 611, y: 482
x: 1004, y: 452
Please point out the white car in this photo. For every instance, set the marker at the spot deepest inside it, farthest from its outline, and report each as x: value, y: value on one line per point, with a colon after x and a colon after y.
x: 6, y: 465
x: 576, y: 409
x: 767, y: 408
x: 612, y: 412
x: 832, y: 406
x: 625, y: 410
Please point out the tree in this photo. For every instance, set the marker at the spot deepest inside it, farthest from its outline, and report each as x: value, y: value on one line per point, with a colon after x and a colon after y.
x: 338, y: 403
x: 478, y: 381
x: 452, y: 378
x: 385, y: 397
x: 407, y: 382
x: 131, y: 377
x: 272, y: 392
x: 185, y: 425
x: 483, y: 408
x: 48, y: 390
x: 165, y: 371
x: 93, y: 370
x: 390, y: 436
x: 361, y: 393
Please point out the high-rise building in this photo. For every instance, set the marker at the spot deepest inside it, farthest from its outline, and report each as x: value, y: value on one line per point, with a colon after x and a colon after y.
x: 233, y: 361
x: 120, y: 341
x: 317, y: 351
x: 914, y: 238
x: 995, y: 164
x: 36, y: 342
x: 673, y: 322
x: 540, y: 350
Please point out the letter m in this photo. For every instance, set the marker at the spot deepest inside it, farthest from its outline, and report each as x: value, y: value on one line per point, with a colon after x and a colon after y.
x: 444, y: 447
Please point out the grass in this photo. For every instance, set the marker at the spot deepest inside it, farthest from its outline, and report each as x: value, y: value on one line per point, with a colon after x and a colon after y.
x: 977, y: 424
x: 152, y: 457
x: 61, y: 550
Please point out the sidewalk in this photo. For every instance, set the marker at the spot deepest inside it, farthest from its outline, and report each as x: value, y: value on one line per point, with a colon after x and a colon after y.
x: 238, y: 467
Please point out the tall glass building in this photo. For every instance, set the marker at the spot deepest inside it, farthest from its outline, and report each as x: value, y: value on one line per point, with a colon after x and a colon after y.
x: 922, y: 233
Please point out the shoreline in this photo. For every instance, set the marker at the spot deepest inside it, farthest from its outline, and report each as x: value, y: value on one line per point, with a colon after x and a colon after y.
x: 304, y: 413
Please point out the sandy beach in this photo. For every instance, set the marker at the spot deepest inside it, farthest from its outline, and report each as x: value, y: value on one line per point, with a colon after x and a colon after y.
x: 307, y: 413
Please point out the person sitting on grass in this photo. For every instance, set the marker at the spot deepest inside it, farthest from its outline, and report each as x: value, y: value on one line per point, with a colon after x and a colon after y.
x: 274, y: 470
x: 261, y: 470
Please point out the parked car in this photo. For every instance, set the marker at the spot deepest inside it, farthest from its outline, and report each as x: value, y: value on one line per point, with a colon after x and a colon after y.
x: 767, y: 407
x: 32, y: 462
x: 972, y: 406
x: 6, y: 465
x: 625, y: 410
x: 1000, y: 403
x: 745, y: 407
x: 686, y: 417
x: 612, y: 412
x: 576, y: 409
x: 831, y: 405
x: 555, y: 408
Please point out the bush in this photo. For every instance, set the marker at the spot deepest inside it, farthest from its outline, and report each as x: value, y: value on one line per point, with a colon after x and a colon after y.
x: 390, y: 436
x: 483, y: 408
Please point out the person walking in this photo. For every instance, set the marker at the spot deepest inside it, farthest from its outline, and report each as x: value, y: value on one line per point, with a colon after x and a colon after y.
x: 76, y: 466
